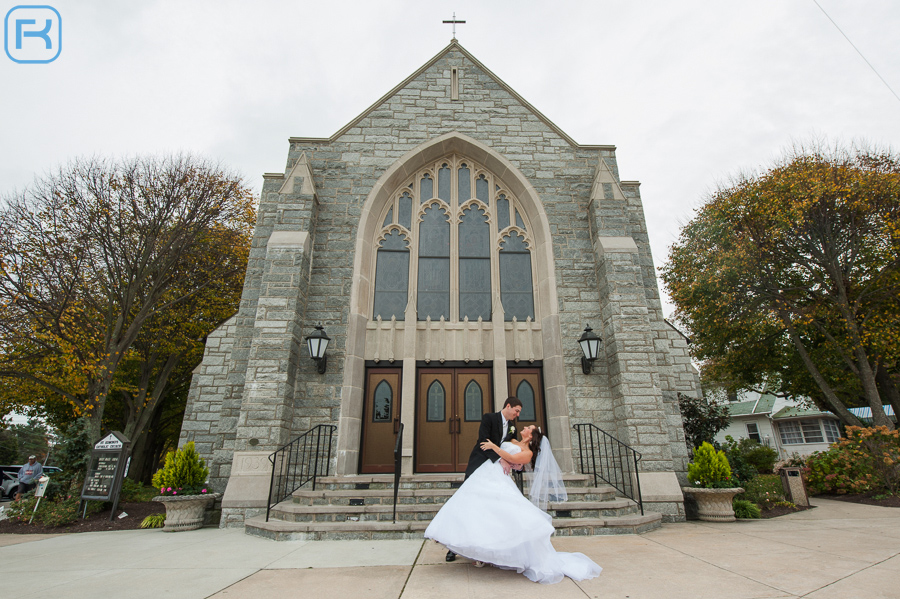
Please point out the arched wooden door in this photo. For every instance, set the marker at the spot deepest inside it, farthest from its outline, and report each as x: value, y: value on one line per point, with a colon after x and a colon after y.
x: 449, y: 406
x: 381, y: 420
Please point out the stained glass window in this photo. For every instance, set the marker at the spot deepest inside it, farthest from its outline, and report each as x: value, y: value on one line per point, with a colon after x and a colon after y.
x: 458, y: 251
x: 516, y: 290
x: 404, y: 213
x: 474, y: 402
x: 481, y: 190
x: 434, y: 411
x: 525, y: 393
x: 474, y: 265
x: 502, y: 212
x: 434, y: 265
x: 384, y: 397
x: 464, y: 189
x: 392, y: 277
x: 444, y: 183
x: 427, y: 188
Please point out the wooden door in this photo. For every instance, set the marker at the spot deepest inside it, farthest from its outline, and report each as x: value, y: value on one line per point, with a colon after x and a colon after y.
x: 449, y: 406
x: 381, y: 420
x: 528, y: 386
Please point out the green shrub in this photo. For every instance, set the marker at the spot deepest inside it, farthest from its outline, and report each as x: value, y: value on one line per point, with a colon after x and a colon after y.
x: 759, y: 456
x: 741, y: 470
x: 59, y: 512
x: 51, y: 512
x: 183, y: 473
x: 745, y: 509
x: 20, y: 511
x: 133, y: 491
x: 865, y: 460
x: 709, y: 468
x: 154, y: 521
x: 765, y: 491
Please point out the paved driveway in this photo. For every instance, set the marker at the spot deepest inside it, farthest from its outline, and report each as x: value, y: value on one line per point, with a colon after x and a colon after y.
x: 838, y: 550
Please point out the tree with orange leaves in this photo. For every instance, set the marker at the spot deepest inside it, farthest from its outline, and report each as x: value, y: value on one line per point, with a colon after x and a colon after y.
x: 94, y: 252
x: 789, y: 280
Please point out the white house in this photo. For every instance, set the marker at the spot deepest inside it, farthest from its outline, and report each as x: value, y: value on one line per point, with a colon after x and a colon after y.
x: 781, y: 424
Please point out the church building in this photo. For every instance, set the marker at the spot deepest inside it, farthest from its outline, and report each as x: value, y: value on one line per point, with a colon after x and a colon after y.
x: 453, y: 244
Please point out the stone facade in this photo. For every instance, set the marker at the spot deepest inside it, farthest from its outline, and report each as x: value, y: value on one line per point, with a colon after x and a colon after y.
x: 312, y: 263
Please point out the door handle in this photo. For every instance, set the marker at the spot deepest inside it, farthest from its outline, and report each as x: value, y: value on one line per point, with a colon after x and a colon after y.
x: 396, y: 425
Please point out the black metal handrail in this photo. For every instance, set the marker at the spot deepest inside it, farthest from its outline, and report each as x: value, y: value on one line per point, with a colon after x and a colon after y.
x: 608, y: 459
x: 397, y: 458
x: 304, y: 459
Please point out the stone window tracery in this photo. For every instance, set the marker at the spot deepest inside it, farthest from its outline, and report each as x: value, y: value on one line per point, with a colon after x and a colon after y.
x: 456, y: 236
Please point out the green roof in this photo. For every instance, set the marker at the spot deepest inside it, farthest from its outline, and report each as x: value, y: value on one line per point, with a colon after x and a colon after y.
x: 793, y: 412
x: 745, y: 408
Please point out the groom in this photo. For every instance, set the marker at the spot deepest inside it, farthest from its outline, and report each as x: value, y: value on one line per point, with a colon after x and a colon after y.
x: 498, y: 427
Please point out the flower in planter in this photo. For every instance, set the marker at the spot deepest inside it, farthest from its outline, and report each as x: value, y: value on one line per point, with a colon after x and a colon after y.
x: 184, y: 473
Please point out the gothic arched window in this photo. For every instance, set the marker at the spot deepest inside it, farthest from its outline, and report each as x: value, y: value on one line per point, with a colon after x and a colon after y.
x: 456, y: 235
x: 391, y: 276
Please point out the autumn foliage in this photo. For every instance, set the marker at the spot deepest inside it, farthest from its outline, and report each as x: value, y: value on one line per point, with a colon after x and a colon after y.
x: 789, y: 280
x: 109, y: 265
x: 864, y: 460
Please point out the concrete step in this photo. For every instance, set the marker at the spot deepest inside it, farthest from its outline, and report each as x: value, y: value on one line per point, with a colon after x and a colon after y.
x: 294, y: 512
x: 418, y: 481
x: 281, y: 530
x: 359, y: 497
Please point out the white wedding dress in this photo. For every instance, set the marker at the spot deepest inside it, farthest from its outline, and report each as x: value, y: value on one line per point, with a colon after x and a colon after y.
x: 489, y: 520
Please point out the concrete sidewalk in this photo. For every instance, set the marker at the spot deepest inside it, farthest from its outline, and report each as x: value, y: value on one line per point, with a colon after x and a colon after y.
x: 838, y: 550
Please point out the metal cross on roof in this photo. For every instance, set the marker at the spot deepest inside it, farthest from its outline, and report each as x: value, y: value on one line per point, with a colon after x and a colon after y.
x: 454, y: 22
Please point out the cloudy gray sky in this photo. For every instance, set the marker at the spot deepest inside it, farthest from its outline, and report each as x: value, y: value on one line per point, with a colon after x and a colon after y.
x: 691, y: 92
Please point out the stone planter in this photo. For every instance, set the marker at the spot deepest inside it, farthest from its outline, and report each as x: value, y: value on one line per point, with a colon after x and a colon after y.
x: 185, y: 512
x: 714, y: 505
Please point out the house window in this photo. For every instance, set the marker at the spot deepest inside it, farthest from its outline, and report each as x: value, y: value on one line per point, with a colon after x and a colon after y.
x: 454, y: 237
x: 807, y: 431
x: 832, y: 432
x: 753, y: 431
x: 812, y: 432
x: 790, y: 433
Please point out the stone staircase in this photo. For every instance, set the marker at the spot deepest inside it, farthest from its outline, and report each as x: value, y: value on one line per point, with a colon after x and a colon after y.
x: 361, y: 507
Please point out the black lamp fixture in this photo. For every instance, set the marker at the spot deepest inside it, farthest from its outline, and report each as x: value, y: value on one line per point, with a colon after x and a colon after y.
x: 317, y: 343
x: 590, y: 347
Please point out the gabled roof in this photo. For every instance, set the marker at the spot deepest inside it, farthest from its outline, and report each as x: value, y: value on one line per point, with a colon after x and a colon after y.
x: 763, y: 405
x: 454, y: 45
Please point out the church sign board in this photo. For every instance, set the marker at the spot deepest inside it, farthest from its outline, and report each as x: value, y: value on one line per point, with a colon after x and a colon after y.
x: 106, y: 469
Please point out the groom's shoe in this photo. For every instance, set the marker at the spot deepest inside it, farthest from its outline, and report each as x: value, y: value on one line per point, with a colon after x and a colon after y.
x: 451, y: 557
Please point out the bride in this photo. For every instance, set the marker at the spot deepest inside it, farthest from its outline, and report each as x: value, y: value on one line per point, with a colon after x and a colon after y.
x: 489, y: 520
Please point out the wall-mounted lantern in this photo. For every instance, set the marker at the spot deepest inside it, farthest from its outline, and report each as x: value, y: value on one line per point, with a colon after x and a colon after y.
x: 590, y: 347
x: 317, y: 343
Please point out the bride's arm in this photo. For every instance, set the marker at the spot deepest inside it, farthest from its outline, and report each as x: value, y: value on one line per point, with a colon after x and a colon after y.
x: 523, y: 457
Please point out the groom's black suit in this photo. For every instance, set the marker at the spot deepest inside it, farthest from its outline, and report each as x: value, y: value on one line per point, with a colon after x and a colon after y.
x: 491, y: 428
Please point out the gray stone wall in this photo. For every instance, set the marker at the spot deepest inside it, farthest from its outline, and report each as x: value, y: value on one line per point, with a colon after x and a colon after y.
x: 205, y: 420
x: 344, y: 171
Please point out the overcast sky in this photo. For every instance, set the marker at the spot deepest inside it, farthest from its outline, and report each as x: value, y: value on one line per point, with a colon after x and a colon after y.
x: 690, y: 92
